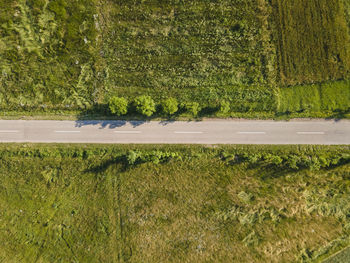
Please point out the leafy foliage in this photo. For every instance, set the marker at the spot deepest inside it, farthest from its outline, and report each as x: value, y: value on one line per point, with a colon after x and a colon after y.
x: 145, y: 105
x: 118, y: 106
x: 224, y: 107
x: 169, y: 106
x: 192, y: 107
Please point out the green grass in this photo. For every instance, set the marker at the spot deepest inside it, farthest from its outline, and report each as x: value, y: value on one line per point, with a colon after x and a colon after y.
x: 63, y: 203
x: 326, y: 97
x: 48, y: 54
x: 341, y: 257
x: 347, y: 11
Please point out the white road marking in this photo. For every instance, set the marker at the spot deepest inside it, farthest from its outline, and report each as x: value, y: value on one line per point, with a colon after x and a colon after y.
x: 185, y: 132
x: 311, y: 133
x: 9, y: 131
x: 67, y: 131
x: 251, y: 132
x: 128, y: 132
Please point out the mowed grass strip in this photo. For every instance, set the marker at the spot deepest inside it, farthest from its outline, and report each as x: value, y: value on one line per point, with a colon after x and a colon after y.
x: 81, y: 203
x: 325, y: 97
x: 340, y: 257
x: 313, y: 41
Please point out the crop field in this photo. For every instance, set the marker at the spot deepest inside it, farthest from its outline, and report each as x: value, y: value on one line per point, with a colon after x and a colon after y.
x: 188, y: 49
x: 347, y: 12
x: 173, y: 203
x: 313, y: 41
x: 60, y: 55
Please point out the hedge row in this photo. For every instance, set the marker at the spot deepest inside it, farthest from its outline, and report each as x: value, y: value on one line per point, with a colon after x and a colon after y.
x: 293, y: 161
x: 328, y: 96
x: 145, y: 105
x: 285, y: 158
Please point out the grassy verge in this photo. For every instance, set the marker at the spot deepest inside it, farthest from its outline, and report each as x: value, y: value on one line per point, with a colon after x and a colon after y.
x: 331, y: 98
x: 172, y: 203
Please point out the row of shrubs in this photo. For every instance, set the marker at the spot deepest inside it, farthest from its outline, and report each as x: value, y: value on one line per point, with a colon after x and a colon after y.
x: 155, y: 157
x: 146, y: 106
x: 291, y: 161
x: 288, y: 161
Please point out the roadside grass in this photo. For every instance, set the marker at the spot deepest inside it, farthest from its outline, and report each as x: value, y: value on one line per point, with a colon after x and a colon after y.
x: 319, y: 98
x: 98, y: 203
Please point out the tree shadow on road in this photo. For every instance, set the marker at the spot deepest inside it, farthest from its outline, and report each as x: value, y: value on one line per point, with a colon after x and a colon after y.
x: 108, y: 124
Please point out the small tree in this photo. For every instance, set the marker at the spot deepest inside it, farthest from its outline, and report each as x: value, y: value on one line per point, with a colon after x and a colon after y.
x: 145, y: 105
x: 224, y: 106
x: 170, y: 106
x: 192, y: 107
x: 118, y: 106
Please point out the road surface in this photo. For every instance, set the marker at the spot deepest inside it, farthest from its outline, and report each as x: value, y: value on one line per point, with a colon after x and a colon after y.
x: 192, y: 132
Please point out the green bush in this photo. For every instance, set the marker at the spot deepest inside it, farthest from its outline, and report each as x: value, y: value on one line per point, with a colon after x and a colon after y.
x: 273, y: 159
x: 169, y: 106
x: 192, y: 107
x: 155, y: 157
x: 145, y: 105
x: 224, y: 106
x: 118, y: 106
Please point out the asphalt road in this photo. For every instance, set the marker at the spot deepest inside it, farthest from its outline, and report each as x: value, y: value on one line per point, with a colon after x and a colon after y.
x: 155, y: 132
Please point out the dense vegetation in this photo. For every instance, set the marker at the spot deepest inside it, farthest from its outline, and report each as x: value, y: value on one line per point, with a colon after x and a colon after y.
x: 76, y: 55
x: 47, y: 54
x: 173, y: 203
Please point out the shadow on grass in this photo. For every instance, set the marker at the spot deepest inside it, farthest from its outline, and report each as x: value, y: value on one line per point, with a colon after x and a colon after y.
x: 272, y: 172
x: 102, y: 167
x: 339, y: 115
x: 109, y: 124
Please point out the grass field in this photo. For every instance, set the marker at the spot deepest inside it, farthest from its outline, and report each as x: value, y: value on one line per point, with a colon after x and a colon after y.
x: 47, y: 54
x: 172, y: 203
x: 60, y: 55
x: 313, y: 41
